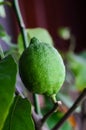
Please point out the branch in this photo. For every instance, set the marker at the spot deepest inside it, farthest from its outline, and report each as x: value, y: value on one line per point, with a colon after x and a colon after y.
x: 21, y: 23
x: 70, y: 111
x: 46, y: 116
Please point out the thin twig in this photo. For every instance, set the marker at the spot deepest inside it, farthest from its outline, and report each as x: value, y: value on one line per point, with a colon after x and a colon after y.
x: 47, y: 115
x: 70, y: 111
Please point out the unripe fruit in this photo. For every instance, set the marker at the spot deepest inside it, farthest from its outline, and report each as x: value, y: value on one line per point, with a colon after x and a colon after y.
x: 41, y: 68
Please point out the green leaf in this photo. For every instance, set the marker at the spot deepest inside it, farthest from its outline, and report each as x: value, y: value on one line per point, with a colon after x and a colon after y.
x: 8, y: 71
x: 19, y: 117
x: 40, y: 33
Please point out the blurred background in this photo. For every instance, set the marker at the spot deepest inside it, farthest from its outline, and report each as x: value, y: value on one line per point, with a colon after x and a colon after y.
x: 51, y: 15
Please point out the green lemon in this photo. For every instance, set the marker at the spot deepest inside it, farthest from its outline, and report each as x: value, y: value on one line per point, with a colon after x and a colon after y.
x: 41, y: 68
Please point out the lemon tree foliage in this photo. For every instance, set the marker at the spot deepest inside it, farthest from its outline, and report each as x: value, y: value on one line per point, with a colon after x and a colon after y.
x: 41, y: 68
x: 40, y: 33
x: 8, y: 70
x: 19, y: 117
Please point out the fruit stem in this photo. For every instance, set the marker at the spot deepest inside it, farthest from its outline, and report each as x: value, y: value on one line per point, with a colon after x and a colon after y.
x: 21, y: 23
x: 25, y: 41
x: 53, y: 97
x: 70, y: 111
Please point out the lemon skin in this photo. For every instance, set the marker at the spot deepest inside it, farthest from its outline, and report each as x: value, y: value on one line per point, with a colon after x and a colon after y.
x: 41, y: 68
